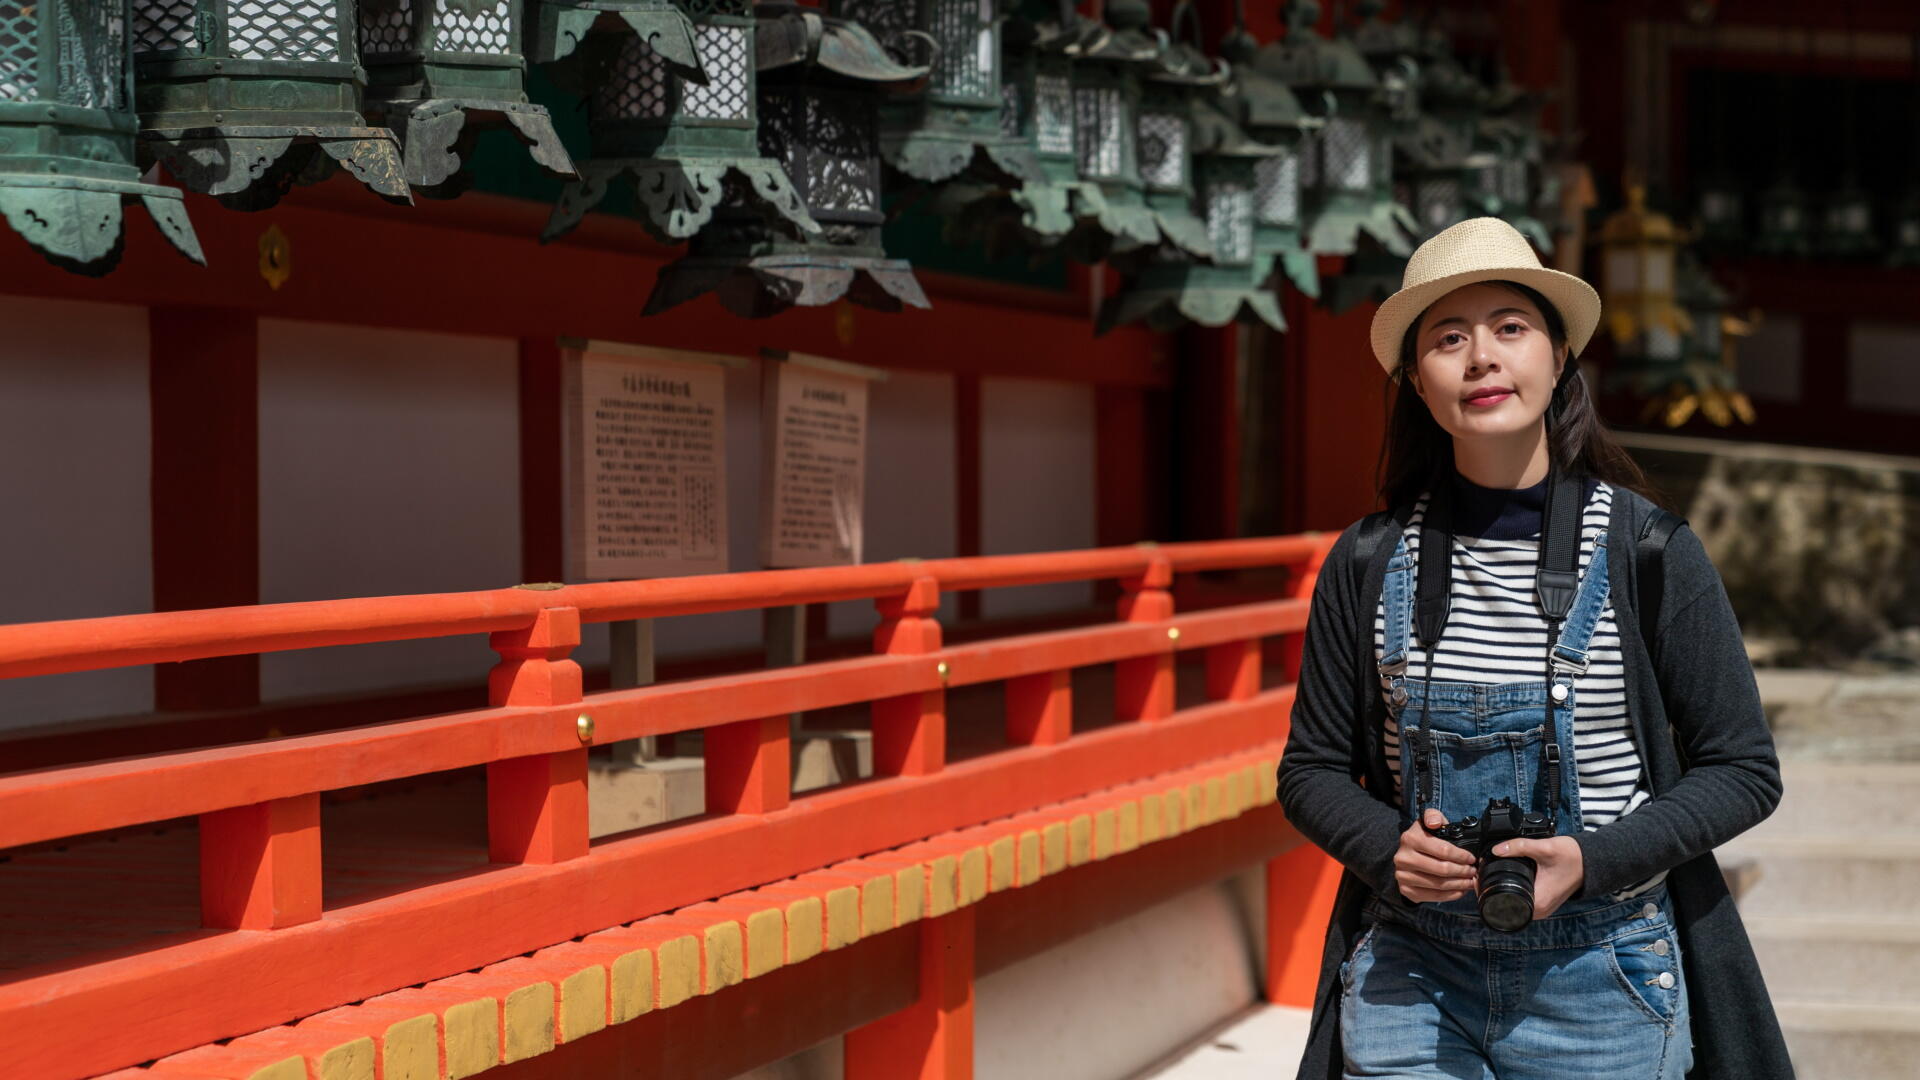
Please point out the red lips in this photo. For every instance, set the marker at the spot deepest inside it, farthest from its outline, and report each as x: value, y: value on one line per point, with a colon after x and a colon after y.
x: 1488, y: 396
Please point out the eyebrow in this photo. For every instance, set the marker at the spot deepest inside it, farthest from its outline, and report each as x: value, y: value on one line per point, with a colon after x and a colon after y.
x: 1494, y: 314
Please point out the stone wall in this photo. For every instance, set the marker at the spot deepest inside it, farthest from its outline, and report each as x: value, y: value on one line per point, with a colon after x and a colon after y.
x: 1819, y: 549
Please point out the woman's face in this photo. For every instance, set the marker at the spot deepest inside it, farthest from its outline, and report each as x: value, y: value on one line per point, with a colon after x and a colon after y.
x: 1484, y: 363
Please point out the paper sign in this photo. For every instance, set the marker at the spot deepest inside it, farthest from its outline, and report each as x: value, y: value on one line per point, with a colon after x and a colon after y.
x: 648, y: 464
x: 815, y: 430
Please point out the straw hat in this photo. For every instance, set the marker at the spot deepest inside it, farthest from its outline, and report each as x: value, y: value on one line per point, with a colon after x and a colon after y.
x: 1479, y: 249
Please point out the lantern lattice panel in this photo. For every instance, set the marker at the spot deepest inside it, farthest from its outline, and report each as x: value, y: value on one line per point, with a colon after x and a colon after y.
x: 490, y: 31
x: 1437, y: 199
x: 829, y: 145
x: 1310, y: 161
x: 1513, y: 182
x: 283, y: 30
x: 968, y: 71
x: 1230, y: 221
x: 160, y: 25
x: 1163, y: 149
x: 98, y: 79
x: 1053, y: 114
x: 1277, y: 189
x: 1013, y: 110
x: 638, y: 87
x: 18, y: 52
x: 723, y: 55
x: 642, y: 88
x: 1100, y: 130
x: 1348, y: 154
x: 386, y: 27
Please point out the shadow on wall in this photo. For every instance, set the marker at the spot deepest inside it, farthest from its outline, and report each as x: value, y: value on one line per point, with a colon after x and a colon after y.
x: 1819, y: 549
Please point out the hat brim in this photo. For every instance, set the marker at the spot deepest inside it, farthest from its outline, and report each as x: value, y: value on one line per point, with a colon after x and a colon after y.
x: 1578, y: 304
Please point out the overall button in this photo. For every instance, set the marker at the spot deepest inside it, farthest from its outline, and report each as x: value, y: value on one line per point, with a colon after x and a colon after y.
x: 1558, y: 693
x: 1660, y: 947
x: 1649, y: 911
x: 1666, y: 980
x: 1399, y: 695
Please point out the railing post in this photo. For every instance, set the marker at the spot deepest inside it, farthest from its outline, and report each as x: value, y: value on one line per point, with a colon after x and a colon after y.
x: 1300, y: 891
x: 749, y: 766
x: 910, y: 731
x: 1233, y: 670
x: 260, y: 865
x: 1300, y: 587
x: 1040, y: 708
x: 932, y: 1039
x: 537, y: 805
x: 1143, y: 686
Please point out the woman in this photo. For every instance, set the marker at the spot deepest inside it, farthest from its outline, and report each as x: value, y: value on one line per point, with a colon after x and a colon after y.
x: 1514, y: 667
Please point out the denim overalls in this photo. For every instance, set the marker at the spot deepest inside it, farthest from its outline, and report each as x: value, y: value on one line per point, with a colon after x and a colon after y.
x: 1595, y: 989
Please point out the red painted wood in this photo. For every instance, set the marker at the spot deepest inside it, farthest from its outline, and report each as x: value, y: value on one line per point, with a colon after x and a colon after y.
x: 1233, y: 671
x: 749, y: 766
x: 1143, y: 686
x: 260, y: 865
x: 910, y: 731
x: 932, y: 1039
x: 204, y: 389
x: 542, y: 463
x: 1300, y: 891
x: 1040, y: 708
x: 966, y: 475
x: 537, y: 804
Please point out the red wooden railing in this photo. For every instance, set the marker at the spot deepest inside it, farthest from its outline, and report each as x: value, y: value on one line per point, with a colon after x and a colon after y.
x: 258, y: 804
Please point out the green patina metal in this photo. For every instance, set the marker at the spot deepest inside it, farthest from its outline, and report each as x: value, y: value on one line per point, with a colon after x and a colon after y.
x: 820, y: 80
x: 67, y: 167
x: 1509, y: 154
x: 1347, y: 167
x: 241, y: 99
x: 1438, y: 151
x: 1170, y: 97
x: 1111, y: 215
x: 956, y: 126
x: 673, y: 95
x: 441, y: 71
x: 1272, y: 115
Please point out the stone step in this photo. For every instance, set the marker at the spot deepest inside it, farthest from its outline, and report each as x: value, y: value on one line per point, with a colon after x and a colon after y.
x: 1849, y: 1041
x: 1857, y: 961
x: 1846, y: 799
x: 1832, y: 876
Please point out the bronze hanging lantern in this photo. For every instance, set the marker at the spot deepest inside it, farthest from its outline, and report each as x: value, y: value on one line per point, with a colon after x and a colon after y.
x: 1271, y: 114
x: 672, y: 96
x: 1347, y: 167
x: 67, y: 166
x: 441, y: 71
x: 1170, y: 97
x: 821, y: 78
x: 1113, y: 216
x: 955, y: 126
x: 1509, y: 149
x: 1697, y: 374
x: 241, y: 99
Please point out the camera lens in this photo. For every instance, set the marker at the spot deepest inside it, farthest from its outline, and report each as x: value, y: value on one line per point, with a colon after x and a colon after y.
x: 1506, y: 893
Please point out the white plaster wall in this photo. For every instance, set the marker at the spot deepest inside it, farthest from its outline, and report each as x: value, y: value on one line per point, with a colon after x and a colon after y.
x: 389, y: 464
x: 1113, y: 1002
x: 1769, y: 361
x: 911, y: 483
x: 1882, y: 373
x: 74, y: 437
x: 1037, y: 483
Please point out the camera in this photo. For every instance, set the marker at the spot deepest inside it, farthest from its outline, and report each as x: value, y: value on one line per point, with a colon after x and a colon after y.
x: 1506, y: 883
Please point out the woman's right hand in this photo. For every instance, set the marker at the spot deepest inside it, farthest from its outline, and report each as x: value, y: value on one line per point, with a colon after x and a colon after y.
x: 1429, y: 869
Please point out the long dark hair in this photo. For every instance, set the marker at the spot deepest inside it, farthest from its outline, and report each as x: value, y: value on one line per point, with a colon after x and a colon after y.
x: 1417, y: 448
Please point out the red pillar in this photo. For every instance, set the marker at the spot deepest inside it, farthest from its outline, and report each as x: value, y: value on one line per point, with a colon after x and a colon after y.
x: 1040, y: 708
x: 204, y: 394
x: 537, y: 805
x: 910, y: 731
x: 749, y: 766
x: 1143, y: 686
x: 260, y: 865
x: 932, y: 1039
x: 1300, y: 889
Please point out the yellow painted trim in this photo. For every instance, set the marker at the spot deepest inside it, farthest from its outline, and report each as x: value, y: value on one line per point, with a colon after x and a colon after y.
x: 726, y: 961
x: 1216, y: 799
x: 1153, y: 819
x: 583, y: 1003
x: 1266, y: 779
x: 354, y: 1060
x: 472, y: 1036
x: 766, y: 944
x: 973, y: 875
x: 910, y: 894
x: 632, y: 985
x: 1029, y: 857
x: 1106, y: 824
x: 1080, y: 840
x: 1196, y: 807
x: 877, y: 906
x: 526, y: 1023
x: 806, y: 930
x: 1000, y: 865
x: 678, y: 972
x: 943, y: 886
x: 410, y: 1050
x: 1127, y: 830
x: 294, y: 1068
x: 843, y: 917
x: 1053, y: 848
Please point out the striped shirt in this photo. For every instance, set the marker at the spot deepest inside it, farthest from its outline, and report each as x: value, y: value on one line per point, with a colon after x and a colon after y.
x: 1496, y: 633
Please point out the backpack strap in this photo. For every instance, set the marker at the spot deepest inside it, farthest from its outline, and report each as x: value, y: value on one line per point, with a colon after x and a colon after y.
x: 1650, y: 554
x: 1374, y: 530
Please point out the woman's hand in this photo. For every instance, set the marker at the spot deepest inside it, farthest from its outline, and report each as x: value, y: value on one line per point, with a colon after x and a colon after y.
x: 1429, y: 869
x: 1559, y: 869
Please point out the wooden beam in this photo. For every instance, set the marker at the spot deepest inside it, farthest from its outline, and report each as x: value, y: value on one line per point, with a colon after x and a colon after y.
x: 932, y: 1039
x: 260, y: 865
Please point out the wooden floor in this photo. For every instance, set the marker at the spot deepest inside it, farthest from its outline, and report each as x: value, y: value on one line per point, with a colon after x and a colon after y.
x: 89, y: 899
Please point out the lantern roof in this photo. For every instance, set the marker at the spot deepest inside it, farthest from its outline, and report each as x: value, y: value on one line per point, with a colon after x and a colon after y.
x: 1124, y: 38
x: 1214, y: 132
x: 1307, y: 59
x: 792, y: 35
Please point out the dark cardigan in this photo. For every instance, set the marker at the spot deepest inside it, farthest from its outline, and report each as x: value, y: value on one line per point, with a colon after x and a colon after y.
x: 1701, y: 735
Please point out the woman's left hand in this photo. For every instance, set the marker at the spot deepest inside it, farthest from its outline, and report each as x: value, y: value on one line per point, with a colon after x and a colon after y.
x: 1559, y: 871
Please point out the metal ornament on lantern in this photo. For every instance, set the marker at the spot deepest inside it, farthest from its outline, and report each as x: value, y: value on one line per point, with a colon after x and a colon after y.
x: 956, y: 125
x: 1700, y: 376
x: 1510, y: 153
x: 1347, y: 168
x: 67, y: 168
x: 241, y: 99
x: 672, y: 100
x: 441, y: 71
x: 1271, y: 115
x: 821, y: 78
x: 1638, y: 247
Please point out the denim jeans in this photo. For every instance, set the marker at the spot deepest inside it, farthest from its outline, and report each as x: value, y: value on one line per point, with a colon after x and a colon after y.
x: 1596, y: 993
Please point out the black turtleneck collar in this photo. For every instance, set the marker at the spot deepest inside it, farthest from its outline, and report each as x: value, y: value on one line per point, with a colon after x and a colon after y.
x: 1502, y: 513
